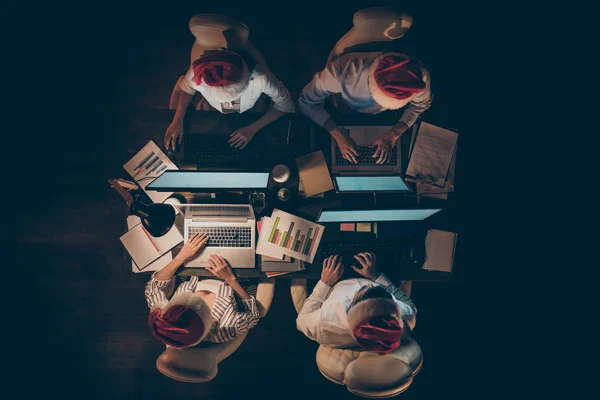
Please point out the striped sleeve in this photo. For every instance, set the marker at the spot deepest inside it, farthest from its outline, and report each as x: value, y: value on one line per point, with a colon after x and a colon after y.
x: 187, y: 286
x: 248, y: 318
x: 157, y: 291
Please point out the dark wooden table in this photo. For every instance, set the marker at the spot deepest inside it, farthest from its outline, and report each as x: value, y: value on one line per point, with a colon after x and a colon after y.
x: 304, y: 138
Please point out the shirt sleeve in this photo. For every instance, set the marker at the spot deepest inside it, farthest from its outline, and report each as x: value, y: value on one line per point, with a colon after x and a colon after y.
x: 404, y: 302
x: 419, y: 103
x: 158, y: 291
x: 247, y: 317
x: 278, y: 93
x: 186, y: 83
x: 313, y: 96
x: 310, y: 314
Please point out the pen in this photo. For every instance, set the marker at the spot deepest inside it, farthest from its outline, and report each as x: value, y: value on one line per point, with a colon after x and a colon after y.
x: 144, y: 160
x: 150, y: 238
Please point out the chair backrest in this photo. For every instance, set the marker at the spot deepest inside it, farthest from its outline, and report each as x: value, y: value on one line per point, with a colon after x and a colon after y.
x: 213, y: 32
x: 374, y: 28
x: 200, y: 364
x: 371, y: 375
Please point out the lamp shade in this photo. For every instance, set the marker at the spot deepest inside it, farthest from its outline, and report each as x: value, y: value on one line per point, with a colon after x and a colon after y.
x: 157, y: 218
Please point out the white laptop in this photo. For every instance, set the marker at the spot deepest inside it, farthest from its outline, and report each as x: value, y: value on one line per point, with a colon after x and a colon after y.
x: 231, y: 231
x: 364, y: 136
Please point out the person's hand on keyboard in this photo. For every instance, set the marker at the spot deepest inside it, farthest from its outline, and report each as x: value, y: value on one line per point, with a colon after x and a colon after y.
x: 332, y: 271
x: 368, y: 266
x: 220, y: 268
x: 347, y: 147
x: 192, y: 247
x: 240, y: 138
x: 385, y: 144
x: 174, y: 135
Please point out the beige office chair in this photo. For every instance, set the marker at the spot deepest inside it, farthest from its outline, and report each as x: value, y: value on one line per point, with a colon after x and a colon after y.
x: 364, y: 373
x: 214, y: 32
x: 200, y: 364
x: 372, y: 26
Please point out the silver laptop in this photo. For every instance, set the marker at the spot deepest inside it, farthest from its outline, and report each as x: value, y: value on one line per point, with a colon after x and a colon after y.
x: 231, y: 231
x: 364, y: 136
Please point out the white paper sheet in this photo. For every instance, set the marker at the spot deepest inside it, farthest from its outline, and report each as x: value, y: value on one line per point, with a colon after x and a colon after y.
x: 431, y: 156
x: 148, y: 164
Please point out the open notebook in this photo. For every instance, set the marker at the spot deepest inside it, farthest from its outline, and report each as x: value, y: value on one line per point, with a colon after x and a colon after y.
x: 144, y: 248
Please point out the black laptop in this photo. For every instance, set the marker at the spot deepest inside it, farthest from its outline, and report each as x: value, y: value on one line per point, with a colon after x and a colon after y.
x: 399, y: 237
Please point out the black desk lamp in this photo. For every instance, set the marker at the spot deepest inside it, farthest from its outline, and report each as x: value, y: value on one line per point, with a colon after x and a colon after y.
x: 157, y: 218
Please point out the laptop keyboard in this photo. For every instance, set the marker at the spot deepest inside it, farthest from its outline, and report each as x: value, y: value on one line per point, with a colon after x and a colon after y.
x: 224, y: 236
x: 365, y: 156
x: 216, y: 149
x: 218, y: 209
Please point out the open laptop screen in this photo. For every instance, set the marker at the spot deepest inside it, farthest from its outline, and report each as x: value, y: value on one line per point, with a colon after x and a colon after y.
x: 376, y: 215
x: 371, y: 184
x: 203, y: 180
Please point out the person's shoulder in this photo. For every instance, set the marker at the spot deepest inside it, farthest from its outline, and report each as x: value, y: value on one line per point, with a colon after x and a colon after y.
x: 352, y: 62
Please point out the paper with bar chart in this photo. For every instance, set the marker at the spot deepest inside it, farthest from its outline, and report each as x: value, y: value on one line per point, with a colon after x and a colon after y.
x: 148, y: 164
x: 288, y: 234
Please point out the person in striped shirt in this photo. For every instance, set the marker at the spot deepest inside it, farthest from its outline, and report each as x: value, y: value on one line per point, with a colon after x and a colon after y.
x: 199, y: 310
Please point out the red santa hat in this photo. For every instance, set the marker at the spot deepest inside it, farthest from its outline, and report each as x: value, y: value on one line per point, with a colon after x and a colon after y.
x: 394, y: 78
x: 376, y: 324
x: 183, y: 322
x: 222, y: 74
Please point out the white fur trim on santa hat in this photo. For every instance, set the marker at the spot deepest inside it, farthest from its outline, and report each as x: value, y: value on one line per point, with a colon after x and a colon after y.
x: 379, y: 95
x: 195, y: 302
x: 373, y: 307
x: 227, y: 93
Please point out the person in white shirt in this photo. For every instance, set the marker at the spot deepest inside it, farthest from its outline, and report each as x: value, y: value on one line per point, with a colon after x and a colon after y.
x: 200, y: 310
x: 369, y: 313
x: 223, y: 78
x: 369, y: 83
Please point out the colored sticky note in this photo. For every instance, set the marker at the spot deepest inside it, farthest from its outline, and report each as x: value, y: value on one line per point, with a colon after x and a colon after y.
x: 347, y: 227
x: 363, y: 227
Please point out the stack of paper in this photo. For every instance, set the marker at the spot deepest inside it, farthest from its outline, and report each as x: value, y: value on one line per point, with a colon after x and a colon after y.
x: 439, y: 250
x: 287, y: 234
x: 148, y: 164
x: 432, y: 161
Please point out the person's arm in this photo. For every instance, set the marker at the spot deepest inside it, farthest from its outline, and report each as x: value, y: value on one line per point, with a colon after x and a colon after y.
x: 309, y: 316
x: 370, y: 269
x: 242, y: 320
x: 188, y: 251
x: 174, y: 133
x: 282, y: 104
x: 419, y: 103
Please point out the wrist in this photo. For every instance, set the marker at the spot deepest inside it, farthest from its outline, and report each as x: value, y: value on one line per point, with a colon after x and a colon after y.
x: 231, y: 280
x: 180, y: 259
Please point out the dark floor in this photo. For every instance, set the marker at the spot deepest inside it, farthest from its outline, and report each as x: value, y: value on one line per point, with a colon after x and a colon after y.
x: 97, y: 341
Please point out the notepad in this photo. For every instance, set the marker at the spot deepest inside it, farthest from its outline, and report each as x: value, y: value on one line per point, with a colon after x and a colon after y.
x: 314, y: 174
x: 144, y: 248
x: 439, y: 250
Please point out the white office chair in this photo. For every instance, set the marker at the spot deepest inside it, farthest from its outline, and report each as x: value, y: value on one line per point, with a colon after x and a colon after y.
x: 364, y: 373
x: 214, y: 32
x: 373, y: 29
x: 200, y: 364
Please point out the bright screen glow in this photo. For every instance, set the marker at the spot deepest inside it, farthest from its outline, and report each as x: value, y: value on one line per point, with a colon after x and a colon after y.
x: 376, y: 215
x: 210, y: 180
x: 370, y: 184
